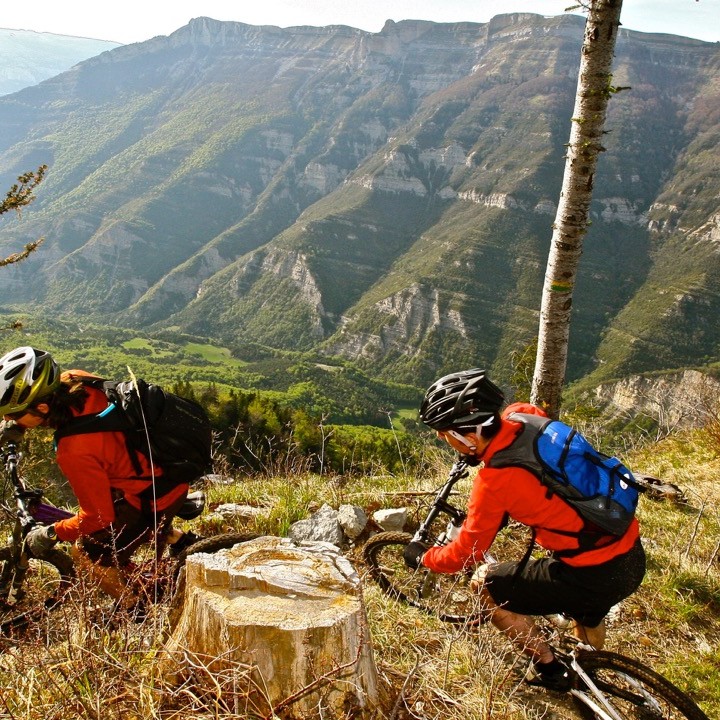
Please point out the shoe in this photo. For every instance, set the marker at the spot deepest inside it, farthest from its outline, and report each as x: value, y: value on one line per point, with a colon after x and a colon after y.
x: 554, y: 676
x: 186, y: 540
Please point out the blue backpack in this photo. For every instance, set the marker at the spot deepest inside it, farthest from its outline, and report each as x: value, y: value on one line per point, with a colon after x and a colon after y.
x: 600, y: 488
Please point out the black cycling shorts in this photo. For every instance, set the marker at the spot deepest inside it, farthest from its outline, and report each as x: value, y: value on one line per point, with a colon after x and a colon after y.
x: 547, y: 586
x: 116, y: 544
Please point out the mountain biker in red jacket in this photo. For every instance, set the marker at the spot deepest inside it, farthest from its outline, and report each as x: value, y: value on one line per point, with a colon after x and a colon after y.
x: 464, y: 409
x: 113, y: 519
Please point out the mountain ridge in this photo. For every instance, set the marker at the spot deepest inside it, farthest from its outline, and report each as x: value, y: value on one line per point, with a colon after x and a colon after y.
x: 387, y: 197
x: 28, y: 57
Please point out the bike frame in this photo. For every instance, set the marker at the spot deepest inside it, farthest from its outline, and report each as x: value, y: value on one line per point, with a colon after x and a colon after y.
x: 442, y: 506
x: 29, y: 511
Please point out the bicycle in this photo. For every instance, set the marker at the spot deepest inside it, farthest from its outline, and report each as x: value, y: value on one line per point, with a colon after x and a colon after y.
x: 606, y: 685
x: 31, y: 587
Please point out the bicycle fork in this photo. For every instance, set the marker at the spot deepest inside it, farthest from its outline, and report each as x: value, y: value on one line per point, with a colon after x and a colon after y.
x: 594, y: 699
x: 599, y: 703
x: 13, y: 576
x: 15, y: 591
x: 428, y: 585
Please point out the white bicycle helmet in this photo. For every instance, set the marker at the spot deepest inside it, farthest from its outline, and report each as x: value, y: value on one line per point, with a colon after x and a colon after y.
x: 26, y: 375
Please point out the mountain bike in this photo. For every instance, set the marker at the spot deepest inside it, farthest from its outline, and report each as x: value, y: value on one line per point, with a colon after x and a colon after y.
x: 31, y: 587
x: 606, y: 685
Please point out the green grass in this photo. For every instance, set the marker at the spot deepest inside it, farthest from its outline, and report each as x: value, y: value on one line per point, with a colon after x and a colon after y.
x: 205, y: 351
x: 326, y: 387
x: 213, y: 354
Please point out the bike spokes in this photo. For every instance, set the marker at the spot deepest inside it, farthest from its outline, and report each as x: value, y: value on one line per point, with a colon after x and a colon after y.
x: 447, y: 596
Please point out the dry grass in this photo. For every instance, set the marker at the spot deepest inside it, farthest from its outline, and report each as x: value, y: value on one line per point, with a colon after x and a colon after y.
x: 85, y: 663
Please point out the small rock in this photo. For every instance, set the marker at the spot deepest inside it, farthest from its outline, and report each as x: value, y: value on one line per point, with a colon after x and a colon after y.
x: 392, y: 519
x: 233, y: 510
x: 323, y: 526
x: 352, y: 520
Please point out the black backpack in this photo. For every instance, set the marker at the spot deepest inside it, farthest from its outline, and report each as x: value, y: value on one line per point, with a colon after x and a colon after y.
x: 172, y: 432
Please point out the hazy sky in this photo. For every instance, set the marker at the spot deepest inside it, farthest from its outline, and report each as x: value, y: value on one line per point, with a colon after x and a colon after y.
x: 135, y: 20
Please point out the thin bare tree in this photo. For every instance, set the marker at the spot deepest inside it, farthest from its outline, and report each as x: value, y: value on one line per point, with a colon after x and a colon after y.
x: 21, y: 194
x: 572, y: 219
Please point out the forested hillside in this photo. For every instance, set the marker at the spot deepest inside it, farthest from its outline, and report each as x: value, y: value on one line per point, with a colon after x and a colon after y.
x: 385, y: 198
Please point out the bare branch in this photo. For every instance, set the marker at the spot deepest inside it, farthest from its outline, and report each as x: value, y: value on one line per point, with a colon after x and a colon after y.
x: 18, y: 256
x: 22, y: 193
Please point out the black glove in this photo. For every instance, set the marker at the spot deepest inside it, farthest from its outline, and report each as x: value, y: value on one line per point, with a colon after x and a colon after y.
x: 10, y: 431
x: 413, y: 553
x: 40, y: 540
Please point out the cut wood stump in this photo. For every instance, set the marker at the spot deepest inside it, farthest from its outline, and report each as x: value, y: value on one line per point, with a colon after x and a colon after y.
x: 276, y: 629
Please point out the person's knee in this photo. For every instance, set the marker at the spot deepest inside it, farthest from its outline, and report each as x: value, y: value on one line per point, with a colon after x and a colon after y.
x: 79, y: 555
x: 480, y: 585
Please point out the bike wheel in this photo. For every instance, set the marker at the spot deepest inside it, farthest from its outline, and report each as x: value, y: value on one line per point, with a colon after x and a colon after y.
x: 43, y: 588
x: 447, y: 596
x: 633, y: 691
x: 210, y: 545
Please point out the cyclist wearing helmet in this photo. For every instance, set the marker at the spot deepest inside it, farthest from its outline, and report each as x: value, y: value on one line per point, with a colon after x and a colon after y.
x: 464, y: 409
x: 112, y: 522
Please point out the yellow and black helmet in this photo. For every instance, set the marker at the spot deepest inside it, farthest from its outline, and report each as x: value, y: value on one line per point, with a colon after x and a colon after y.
x: 26, y: 375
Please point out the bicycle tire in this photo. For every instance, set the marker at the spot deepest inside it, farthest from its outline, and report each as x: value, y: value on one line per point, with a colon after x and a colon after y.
x: 211, y: 544
x: 633, y: 690
x: 446, y: 596
x: 44, y: 588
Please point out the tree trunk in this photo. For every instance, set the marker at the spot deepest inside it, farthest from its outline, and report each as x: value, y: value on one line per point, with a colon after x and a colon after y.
x: 272, y: 628
x: 571, y: 222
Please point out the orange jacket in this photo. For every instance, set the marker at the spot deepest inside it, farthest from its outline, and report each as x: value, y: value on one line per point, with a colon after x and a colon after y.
x: 519, y: 494
x: 95, y: 464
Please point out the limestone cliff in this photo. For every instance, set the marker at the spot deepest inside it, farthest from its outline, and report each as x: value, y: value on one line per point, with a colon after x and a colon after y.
x: 383, y: 196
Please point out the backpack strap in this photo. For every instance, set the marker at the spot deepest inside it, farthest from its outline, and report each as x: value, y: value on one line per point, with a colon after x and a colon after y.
x: 556, y: 553
x: 108, y: 420
x: 525, y: 558
x: 521, y: 453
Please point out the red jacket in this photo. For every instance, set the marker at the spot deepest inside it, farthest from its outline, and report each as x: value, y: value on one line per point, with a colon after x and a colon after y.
x: 97, y: 463
x: 517, y: 492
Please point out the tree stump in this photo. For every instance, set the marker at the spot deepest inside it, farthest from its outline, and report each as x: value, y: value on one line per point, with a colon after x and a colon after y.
x: 276, y: 628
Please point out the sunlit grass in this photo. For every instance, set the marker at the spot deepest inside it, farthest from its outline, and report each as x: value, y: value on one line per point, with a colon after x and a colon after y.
x: 85, y: 666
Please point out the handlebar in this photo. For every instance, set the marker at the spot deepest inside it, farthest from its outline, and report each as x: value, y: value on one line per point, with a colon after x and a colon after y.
x: 30, y: 509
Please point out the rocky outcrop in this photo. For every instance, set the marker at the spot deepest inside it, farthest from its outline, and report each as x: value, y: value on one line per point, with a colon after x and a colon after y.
x: 409, y: 316
x: 675, y: 400
x: 622, y: 211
